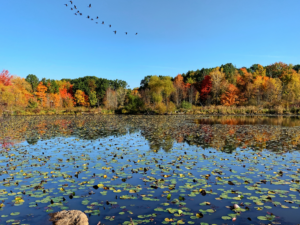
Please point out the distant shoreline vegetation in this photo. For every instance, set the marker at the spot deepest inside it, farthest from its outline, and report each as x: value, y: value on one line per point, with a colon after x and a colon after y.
x: 273, y: 89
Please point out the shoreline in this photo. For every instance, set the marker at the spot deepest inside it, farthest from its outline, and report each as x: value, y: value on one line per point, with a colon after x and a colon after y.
x: 153, y: 114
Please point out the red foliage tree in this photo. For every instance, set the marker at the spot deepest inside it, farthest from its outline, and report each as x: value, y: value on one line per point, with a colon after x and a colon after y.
x: 5, y: 78
x: 205, y: 87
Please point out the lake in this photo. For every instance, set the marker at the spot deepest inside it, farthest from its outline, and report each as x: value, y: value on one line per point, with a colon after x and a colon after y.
x: 179, y: 169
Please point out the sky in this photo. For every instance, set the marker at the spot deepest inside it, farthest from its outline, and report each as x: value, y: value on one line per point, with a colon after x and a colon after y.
x: 46, y: 38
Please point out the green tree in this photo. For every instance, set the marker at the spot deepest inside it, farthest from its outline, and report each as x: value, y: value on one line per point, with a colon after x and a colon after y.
x: 229, y: 71
x: 93, y: 98
x: 168, y: 87
x: 134, y: 103
x: 144, y: 83
x: 33, y: 81
x: 52, y: 86
x: 297, y: 68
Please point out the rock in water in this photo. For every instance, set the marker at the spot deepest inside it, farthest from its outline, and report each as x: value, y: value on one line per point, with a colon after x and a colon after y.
x: 69, y: 217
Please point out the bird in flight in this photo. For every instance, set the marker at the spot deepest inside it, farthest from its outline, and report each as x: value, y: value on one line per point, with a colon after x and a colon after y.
x: 71, y: 2
x: 96, y: 22
x: 71, y: 8
x: 80, y: 14
x: 136, y: 33
x: 75, y: 6
x: 90, y: 5
x: 75, y: 14
x: 102, y: 22
x: 97, y: 17
x: 109, y: 25
x: 88, y: 17
x: 66, y: 4
x: 115, y: 31
x: 92, y: 19
x: 126, y: 33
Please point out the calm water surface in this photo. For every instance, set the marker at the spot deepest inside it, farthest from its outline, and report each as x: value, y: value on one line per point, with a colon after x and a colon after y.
x: 151, y: 169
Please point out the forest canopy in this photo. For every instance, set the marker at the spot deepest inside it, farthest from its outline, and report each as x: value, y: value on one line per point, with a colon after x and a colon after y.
x: 266, y: 86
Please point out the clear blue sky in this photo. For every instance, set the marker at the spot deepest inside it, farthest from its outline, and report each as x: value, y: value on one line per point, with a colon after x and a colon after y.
x: 45, y: 38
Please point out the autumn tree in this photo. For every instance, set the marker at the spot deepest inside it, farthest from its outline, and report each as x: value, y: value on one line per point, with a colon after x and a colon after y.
x: 110, y: 99
x: 66, y: 93
x: 52, y: 85
x: 179, y: 86
x: 230, y: 97
x: 145, y: 96
x: 81, y: 98
x: 160, y: 88
x: 41, y: 94
x: 205, y: 88
x: 217, y: 78
x: 259, y: 87
x: 121, y: 94
x: 273, y: 90
x: 291, y: 87
x: 5, y: 78
x: 190, y: 89
x: 168, y: 88
x: 260, y: 71
x: 6, y: 94
x: 244, y: 84
x: 21, y: 91
x: 277, y: 69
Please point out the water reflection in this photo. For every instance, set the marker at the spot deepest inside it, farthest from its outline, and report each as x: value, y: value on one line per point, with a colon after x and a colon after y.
x: 221, y: 133
x: 289, y: 121
x: 125, y: 174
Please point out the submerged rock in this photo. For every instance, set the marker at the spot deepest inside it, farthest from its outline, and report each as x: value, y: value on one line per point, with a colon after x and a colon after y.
x: 69, y: 217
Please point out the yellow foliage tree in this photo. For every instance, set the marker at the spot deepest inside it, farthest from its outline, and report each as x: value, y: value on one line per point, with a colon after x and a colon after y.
x: 21, y: 90
x: 80, y: 98
x: 6, y: 94
x: 218, y: 80
x: 260, y: 71
x: 160, y: 88
x: 259, y: 87
x: 292, y: 88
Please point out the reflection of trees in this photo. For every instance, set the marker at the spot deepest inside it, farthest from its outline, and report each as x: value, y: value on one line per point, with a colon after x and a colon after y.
x: 161, y: 131
x: 6, y: 143
x: 250, y: 120
x: 32, y: 141
x: 157, y: 138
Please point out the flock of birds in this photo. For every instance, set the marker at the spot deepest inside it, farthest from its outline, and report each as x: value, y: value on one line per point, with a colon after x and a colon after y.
x: 88, y: 17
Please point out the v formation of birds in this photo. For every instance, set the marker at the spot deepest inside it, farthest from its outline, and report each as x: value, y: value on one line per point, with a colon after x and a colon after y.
x: 90, y: 6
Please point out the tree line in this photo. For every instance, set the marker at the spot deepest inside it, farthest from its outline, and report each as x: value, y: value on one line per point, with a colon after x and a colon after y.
x: 266, y: 86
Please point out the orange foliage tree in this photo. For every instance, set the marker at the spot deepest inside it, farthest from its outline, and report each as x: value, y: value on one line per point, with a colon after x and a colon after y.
x: 179, y: 92
x: 41, y: 94
x: 66, y: 93
x: 230, y: 97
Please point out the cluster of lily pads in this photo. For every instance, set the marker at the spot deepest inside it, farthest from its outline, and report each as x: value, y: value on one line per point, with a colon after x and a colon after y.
x: 149, y: 170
